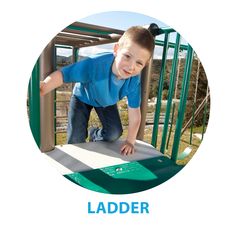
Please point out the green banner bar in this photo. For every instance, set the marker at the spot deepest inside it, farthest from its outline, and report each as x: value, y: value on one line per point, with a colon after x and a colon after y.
x: 34, y: 103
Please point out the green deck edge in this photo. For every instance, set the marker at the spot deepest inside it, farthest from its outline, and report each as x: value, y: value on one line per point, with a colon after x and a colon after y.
x: 127, y: 178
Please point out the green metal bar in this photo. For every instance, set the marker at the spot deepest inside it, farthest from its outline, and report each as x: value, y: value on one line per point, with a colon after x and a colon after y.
x: 204, y: 120
x: 192, y: 123
x: 73, y: 27
x: 174, y: 105
x: 34, y: 103
x: 159, y: 93
x: 183, y: 101
x: 170, y: 93
x: 75, y: 54
x: 197, y: 112
x: 194, y: 102
x: 204, y: 115
x: 171, y: 126
x: 171, y: 45
x: 166, y: 31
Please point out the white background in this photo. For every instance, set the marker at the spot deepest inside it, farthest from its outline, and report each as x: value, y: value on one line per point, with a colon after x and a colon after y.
x: 36, y: 200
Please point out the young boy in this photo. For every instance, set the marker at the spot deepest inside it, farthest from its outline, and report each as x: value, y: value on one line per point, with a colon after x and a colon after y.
x: 101, y: 81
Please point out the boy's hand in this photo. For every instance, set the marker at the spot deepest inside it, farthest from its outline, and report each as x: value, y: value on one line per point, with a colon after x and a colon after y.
x: 127, y: 148
x: 42, y: 85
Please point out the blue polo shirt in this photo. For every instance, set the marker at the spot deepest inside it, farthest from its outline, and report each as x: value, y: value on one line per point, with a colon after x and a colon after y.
x: 97, y: 86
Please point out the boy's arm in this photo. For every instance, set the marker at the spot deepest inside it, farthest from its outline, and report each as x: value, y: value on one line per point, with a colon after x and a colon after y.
x: 51, y: 82
x: 134, y: 116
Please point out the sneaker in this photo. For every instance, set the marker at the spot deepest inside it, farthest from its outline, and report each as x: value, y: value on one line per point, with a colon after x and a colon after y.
x: 93, y: 134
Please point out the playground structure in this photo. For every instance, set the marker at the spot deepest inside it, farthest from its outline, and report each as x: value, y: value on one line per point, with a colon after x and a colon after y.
x: 105, y: 170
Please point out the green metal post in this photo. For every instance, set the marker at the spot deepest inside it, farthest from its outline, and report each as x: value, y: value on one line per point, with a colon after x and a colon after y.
x: 192, y: 123
x: 171, y: 126
x: 159, y: 93
x: 174, y: 105
x: 75, y: 54
x: 183, y: 101
x: 170, y: 93
x: 194, y: 103
x: 34, y: 103
x: 204, y: 115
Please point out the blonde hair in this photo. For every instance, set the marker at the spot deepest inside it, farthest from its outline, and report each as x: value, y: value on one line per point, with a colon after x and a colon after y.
x: 140, y: 36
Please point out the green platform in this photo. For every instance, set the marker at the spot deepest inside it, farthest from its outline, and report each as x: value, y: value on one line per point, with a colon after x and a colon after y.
x: 127, y: 178
x: 100, y: 166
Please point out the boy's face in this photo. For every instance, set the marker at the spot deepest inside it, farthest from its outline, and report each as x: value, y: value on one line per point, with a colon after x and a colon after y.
x: 130, y: 59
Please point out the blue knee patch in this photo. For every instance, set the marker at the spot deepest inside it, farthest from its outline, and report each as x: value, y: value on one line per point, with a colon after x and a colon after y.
x: 113, y: 135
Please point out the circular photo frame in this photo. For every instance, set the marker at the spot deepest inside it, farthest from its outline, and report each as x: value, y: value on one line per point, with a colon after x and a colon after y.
x: 118, y: 106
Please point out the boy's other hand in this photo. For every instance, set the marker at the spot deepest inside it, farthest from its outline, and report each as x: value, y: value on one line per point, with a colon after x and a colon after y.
x: 127, y: 148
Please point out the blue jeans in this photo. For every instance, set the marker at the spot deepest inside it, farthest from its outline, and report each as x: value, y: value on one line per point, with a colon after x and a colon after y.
x: 78, y: 118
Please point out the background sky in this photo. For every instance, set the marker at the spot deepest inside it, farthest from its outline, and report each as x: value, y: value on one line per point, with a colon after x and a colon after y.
x: 119, y: 20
